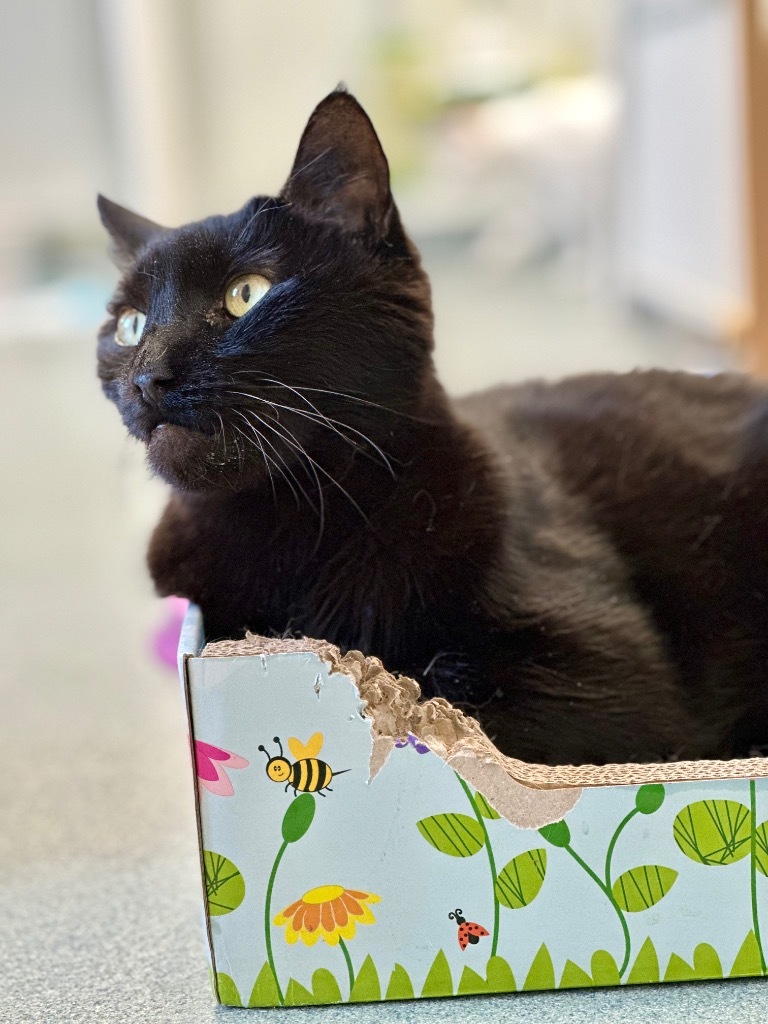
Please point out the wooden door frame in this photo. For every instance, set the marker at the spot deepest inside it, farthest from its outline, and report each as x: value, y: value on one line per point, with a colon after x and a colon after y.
x: 755, y: 36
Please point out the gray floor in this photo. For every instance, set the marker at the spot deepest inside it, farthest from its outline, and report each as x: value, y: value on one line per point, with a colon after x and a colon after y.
x: 99, y: 894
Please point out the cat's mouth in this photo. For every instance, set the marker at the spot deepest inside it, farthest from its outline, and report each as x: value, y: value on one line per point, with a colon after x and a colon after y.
x: 186, y: 457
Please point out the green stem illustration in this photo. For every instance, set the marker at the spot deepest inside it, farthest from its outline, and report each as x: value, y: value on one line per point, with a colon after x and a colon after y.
x: 491, y: 863
x: 350, y: 969
x: 753, y: 870
x: 268, y: 919
x: 612, y: 845
x: 605, y: 888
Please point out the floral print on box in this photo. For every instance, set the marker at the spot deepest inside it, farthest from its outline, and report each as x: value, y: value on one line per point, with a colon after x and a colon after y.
x: 411, y: 884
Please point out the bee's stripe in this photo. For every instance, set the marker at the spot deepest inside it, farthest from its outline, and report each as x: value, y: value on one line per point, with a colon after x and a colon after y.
x: 311, y: 774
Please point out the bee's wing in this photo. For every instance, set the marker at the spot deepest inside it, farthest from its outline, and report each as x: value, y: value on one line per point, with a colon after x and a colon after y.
x: 309, y: 749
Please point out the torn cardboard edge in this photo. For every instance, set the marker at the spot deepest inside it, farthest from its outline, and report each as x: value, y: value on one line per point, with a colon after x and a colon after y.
x: 393, y: 705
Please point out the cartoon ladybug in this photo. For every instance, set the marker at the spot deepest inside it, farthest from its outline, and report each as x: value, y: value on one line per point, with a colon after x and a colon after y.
x: 469, y: 931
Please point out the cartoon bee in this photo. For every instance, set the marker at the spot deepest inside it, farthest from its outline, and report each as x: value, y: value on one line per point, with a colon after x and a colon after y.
x: 469, y: 931
x: 308, y: 774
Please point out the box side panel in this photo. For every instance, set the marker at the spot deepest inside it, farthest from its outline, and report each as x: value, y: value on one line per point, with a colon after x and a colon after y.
x: 189, y: 667
x: 192, y: 637
x: 325, y: 887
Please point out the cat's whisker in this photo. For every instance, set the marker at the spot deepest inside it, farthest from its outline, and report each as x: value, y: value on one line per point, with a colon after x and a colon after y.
x: 337, y: 423
x: 221, y: 434
x: 267, y: 461
x: 291, y: 440
x: 342, y: 394
x: 322, y: 420
x: 299, y: 447
x: 283, y: 468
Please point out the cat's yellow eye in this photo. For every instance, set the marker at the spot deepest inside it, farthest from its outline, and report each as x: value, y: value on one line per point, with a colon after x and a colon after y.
x: 130, y: 326
x: 244, y: 292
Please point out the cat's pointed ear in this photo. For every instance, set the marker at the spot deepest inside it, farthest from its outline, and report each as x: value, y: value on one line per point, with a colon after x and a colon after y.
x: 340, y: 174
x: 129, y: 231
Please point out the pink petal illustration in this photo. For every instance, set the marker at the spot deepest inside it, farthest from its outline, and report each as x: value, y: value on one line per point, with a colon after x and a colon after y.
x: 210, y: 762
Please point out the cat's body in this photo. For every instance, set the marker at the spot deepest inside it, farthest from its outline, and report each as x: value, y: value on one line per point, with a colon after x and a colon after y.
x: 582, y: 565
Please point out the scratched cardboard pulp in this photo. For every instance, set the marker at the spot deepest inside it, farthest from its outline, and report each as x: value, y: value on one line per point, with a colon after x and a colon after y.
x: 364, y: 866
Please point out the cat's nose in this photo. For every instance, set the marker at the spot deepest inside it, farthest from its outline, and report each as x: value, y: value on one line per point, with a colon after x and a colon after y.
x: 154, y: 384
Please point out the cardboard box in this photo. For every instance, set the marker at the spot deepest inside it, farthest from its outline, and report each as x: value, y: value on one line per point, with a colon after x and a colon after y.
x: 384, y: 849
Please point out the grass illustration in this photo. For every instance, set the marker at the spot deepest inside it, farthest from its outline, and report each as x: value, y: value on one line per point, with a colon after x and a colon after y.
x: 602, y: 971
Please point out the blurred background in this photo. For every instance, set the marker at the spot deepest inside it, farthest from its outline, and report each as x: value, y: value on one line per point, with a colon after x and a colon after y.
x: 576, y: 170
x: 588, y: 182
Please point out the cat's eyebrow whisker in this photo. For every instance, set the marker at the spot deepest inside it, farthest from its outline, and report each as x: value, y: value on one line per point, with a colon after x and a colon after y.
x: 268, y: 207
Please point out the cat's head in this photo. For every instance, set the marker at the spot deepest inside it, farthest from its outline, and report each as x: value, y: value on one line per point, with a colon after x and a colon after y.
x: 240, y: 344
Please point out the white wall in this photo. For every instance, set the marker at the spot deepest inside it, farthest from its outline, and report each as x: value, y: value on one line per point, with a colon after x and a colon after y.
x: 682, y: 218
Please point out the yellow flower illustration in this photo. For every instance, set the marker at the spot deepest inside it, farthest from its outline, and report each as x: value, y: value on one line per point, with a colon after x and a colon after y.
x: 330, y: 912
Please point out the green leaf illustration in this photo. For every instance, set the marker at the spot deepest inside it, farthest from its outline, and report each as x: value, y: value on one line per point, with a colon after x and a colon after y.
x: 761, y: 853
x: 643, y: 887
x: 325, y: 988
x: 706, y: 965
x: 400, y: 985
x: 264, y: 992
x: 747, y: 963
x: 298, y: 817
x: 713, y: 832
x: 542, y: 972
x: 706, y: 962
x: 224, y: 885
x: 438, y: 981
x: 228, y: 994
x: 646, y: 968
x: 471, y: 983
x: 485, y: 808
x: 458, y: 835
x: 518, y: 883
x: 499, y: 975
x: 558, y: 833
x: 366, y: 988
x: 605, y: 972
x: 297, y: 995
x: 499, y: 979
x: 649, y: 798
x: 679, y: 970
x: 574, y: 977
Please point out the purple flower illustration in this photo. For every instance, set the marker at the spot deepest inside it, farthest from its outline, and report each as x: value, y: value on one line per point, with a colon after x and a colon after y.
x: 415, y: 742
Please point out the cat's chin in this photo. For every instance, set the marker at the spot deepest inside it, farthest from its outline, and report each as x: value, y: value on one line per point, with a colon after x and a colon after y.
x: 191, y: 460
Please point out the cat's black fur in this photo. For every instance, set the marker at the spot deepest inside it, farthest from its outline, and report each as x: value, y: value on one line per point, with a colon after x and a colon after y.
x: 582, y: 565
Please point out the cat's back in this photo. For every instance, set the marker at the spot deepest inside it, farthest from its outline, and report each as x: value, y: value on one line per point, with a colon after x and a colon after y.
x: 644, y: 423
x: 670, y: 469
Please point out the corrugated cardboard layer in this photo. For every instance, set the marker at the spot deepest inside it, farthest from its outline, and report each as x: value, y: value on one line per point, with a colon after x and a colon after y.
x: 392, y: 702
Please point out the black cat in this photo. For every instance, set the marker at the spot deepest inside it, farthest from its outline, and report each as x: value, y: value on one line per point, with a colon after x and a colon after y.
x: 581, y: 565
